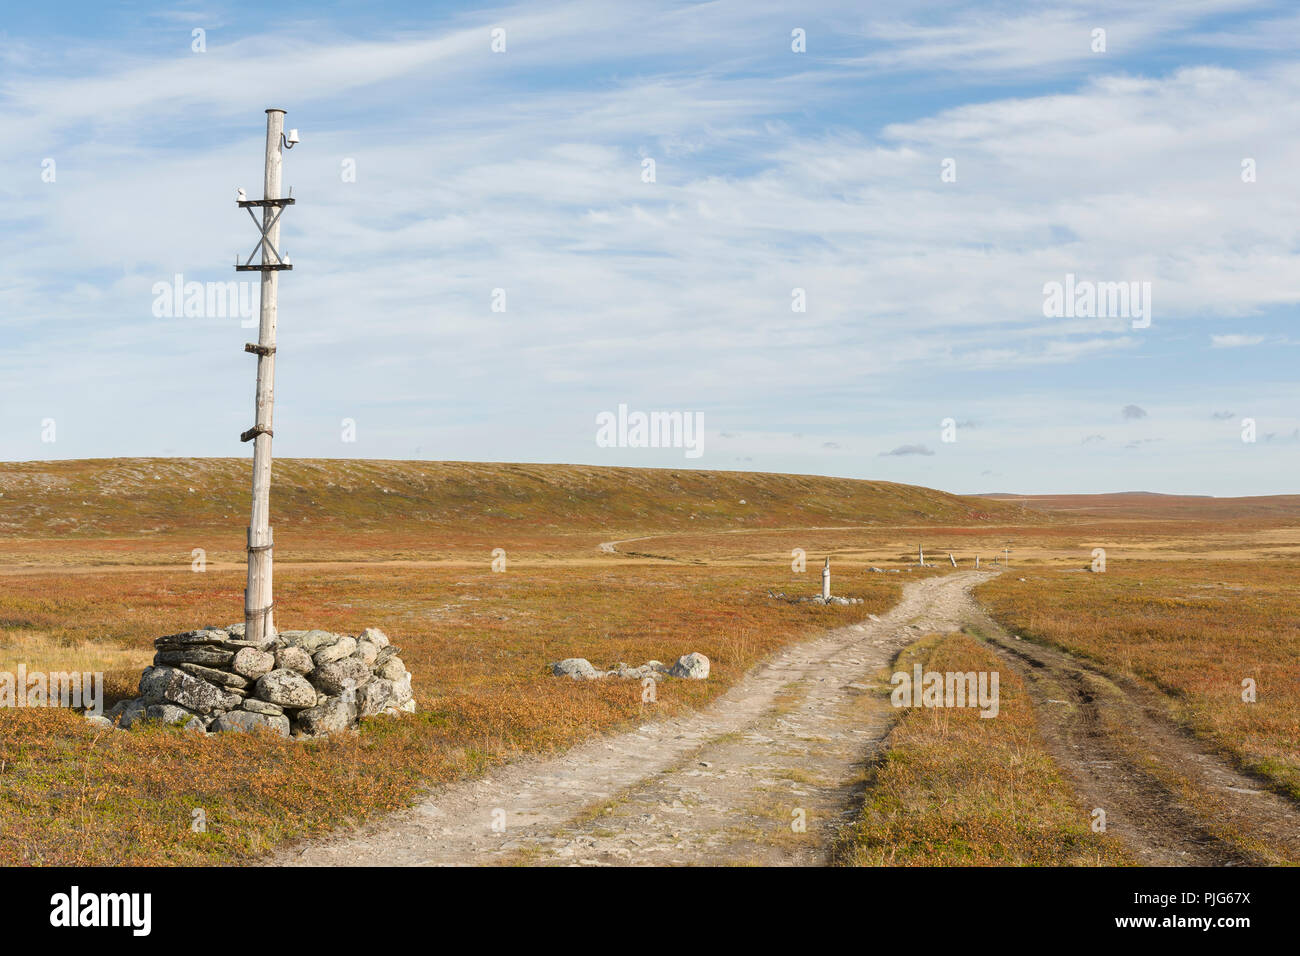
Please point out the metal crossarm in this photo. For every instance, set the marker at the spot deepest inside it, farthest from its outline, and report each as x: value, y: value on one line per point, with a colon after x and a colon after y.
x: 264, y: 243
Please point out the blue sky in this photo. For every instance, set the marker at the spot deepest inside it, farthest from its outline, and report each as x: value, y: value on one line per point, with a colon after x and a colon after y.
x: 774, y: 170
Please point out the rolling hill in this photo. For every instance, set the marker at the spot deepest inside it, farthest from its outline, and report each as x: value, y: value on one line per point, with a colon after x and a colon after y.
x: 100, y: 497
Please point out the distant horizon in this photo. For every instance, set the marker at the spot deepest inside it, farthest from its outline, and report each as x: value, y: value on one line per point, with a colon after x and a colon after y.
x: 580, y: 464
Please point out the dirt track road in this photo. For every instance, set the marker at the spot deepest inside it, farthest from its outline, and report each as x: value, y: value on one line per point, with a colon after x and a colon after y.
x: 719, y: 786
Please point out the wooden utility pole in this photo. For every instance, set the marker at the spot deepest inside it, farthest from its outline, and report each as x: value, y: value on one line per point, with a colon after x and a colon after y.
x: 259, y: 620
x: 826, y: 580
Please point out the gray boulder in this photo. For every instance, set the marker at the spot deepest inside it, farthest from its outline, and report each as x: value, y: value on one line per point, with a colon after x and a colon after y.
x: 310, y: 641
x: 246, y: 722
x: 253, y: 705
x: 286, y: 688
x: 336, y: 676
x: 375, y: 636
x: 132, y: 713
x: 343, y: 647
x: 295, y: 659
x: 374, y: 697
x: 116, y: 710
x: 578, y: 668
x: 207, y: 635
x: 172, y: 714
x: 232, y: 682
x: 98, y: 722
x: 402, y: 689
x: 253, y: 663
x: 691, y: 666
x: 367, y: 653
x: 337, y: 713
x: 392, y: 669
x: 195, y: 655
x: 162, y: 685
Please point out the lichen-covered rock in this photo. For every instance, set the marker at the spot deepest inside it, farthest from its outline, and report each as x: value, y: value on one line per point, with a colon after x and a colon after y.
x: 286, y: 688
x: 375, y: 636
x: 207, y: 635
x: 337, y: 676
x: 343, y: 647
x: 253, y: 663
x: 402, y: 689
x: 160, y: 685
x: 392, y: 669
x: 367, y: 653
x: 295, y: 659
x: 253, y: 705
x: 116, y: 710
x: 173, y: 714
x: 691, y: 667
x: 132, y: 713
x: 578, y: 668
x: 204, y: 654
x: 375, y: 697
x: 232, y: 682
x: 98, y: 722
x: 309, y: 641
x: 246, y: 721
x: 337, y: 713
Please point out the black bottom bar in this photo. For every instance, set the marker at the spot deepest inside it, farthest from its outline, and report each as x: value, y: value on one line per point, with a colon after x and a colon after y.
x: 962, y: 910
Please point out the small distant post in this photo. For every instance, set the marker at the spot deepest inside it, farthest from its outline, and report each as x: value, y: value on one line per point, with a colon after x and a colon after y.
x: 977, y: 562
x: 1006, y: 556
x: 920, y: 556
x: 952, y: 559
x: 826, y: 580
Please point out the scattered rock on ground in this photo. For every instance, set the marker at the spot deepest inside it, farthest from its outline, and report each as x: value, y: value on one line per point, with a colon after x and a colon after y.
x: 692, y: 666
x: 579, y: 668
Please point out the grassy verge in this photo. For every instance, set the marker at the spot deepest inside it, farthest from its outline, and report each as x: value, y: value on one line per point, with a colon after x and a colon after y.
x: 955, y: 789
x: 1193, y: 630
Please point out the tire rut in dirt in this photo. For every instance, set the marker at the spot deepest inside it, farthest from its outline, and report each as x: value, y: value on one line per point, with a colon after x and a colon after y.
x: 1080, y: 710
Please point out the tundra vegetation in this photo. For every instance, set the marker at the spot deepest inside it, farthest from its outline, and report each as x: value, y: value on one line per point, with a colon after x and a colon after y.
x: 98, y: 558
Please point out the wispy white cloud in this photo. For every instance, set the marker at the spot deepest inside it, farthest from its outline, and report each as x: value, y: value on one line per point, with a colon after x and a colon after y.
x: 1235, y: 341
x: 523, y: 171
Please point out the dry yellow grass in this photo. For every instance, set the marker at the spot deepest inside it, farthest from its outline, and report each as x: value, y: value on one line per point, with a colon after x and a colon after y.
x: 40, y: 651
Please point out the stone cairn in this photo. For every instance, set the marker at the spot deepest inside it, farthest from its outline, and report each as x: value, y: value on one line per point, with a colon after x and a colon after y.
x: 308, y: 683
